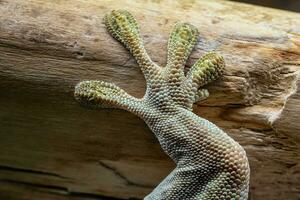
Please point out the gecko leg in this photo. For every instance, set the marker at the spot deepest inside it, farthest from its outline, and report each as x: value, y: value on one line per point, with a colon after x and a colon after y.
x: 210, y: 164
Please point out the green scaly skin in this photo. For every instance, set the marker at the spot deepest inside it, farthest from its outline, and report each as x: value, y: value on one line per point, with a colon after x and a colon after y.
x: 210, y: 164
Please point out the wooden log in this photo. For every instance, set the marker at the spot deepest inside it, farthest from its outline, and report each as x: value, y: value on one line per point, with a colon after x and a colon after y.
x: 51, y: 148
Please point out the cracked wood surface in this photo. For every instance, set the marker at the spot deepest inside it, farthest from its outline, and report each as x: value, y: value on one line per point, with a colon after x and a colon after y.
x: 51, y: 148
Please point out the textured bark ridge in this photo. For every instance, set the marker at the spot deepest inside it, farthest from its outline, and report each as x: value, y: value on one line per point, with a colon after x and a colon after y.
x: 53, y: 149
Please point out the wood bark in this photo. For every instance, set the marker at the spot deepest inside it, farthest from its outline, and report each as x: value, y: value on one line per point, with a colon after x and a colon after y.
x: 52, y: 148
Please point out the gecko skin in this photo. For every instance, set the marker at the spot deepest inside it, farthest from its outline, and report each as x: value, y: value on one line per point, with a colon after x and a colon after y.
x: 209, y: 164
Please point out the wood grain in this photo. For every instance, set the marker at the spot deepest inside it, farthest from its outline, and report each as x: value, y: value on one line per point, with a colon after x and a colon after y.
x: 52, y: 148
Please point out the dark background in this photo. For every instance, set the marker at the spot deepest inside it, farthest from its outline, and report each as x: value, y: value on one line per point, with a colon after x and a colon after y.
x: 292, y: 5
